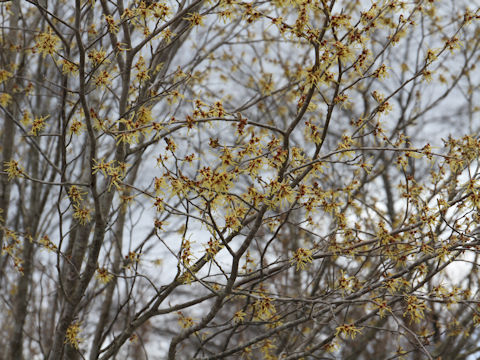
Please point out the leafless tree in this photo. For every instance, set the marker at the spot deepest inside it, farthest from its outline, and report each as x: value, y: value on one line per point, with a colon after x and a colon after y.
x: 225, y: 179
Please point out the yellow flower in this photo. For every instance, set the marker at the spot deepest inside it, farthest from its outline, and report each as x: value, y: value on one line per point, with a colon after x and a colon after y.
x: 13, y: 169
x: 98, y: 57
x: 185, y: 321
x: 349, y: 330
x: 227, y: 157
x: 47, y: 43
x: 264, y: 307
x: 195, y: 19
x: 344, y: 283
x: 102, y: 166
x: 103, y: 275
x: 239, y: 317
x: 75, y: 194
x: 283, y: 192
x: 142, y: 70
x: 38, y: 125
x: 453, y: 44
x: 381, y: 72
x: 383, y: 308
x: 76, y: 127
x: 213, y: 248
x: 111, y: 23
x: 160, y: 185
x: 103, y: 79
x: 5, y: 99
x: 81, y: 214
x: 343, y: 52
x: 45, y: 241
x: 301, y: 258
x: 160, y: 10
x: 415, y: 308
x: 71, y: 337
x: 4, y: 75
x: 69, y: 67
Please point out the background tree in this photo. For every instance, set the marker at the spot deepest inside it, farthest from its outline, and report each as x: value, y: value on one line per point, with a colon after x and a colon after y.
x: 202, y: 179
